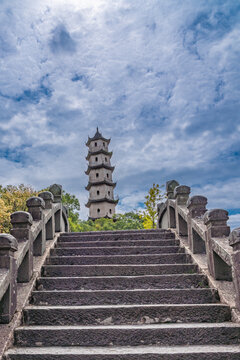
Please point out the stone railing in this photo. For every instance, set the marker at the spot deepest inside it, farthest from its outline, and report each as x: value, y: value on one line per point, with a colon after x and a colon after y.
x: 206, y: 231
x: 30, y: 231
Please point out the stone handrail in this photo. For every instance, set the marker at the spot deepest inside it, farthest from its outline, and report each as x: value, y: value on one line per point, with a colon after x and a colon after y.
x: 46, y: 216
x: 206, y: 231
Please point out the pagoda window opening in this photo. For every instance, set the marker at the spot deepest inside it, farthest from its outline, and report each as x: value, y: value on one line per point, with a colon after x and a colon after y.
x: 109, y: 193
x: 105, y: 159
x: 96, y: 158
x: 107, y: 176
x: 98, y: 192
x: 98, y: 210
x: 95, y: 143
x: 104, y: 144
x: 97, y: 174
x: 110, y: 211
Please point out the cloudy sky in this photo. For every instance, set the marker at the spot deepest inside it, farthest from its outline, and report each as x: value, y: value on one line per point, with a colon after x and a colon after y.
x: 160, y: 77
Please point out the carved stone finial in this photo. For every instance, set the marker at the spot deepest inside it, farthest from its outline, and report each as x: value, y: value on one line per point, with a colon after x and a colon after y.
x: 197, y: 205
x: 56, y: 190
x: 21, y: 225
x: 170, y: 186
x: 21, y: 217
x: 8, y: 242
x: 35, y: 206
x: 47, y: 196
x: 234, y: 239
x: 181, y: 194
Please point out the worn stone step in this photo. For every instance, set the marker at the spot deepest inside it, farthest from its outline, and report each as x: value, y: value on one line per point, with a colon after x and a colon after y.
x: 125, y: 314
x: 129, y: 335
x: 118, y: 243
x: 177, y: 281
x: 113, y: 232
x: 117, y: 270
x: 128, y: 250
x: 121, y: 259
x: 117, y: 297
x: 118, y: 236
x: 208, y: 352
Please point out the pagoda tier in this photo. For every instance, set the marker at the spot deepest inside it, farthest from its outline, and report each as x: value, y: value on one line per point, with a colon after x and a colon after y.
x: 111, y: 201
x: 100, y: 166
x: 101, y: 201
x: 101, y: 151
x: 97, y: 183
x: 97, y: 136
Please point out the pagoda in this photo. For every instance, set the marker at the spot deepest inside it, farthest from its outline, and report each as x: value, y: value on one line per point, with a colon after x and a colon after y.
x: 101, y: 202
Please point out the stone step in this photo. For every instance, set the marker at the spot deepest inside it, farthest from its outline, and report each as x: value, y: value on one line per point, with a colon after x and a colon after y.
x: 118, y: 297
x: 128, y: 250
x: 125, y: 236
x: 208, y: 352
x: 125, y: 314
x: 121, y: 259
x: 167, y: 242
x: 177, y: 281
x: 117, y: 270
x: 113, y: 232
x: 129, y: 335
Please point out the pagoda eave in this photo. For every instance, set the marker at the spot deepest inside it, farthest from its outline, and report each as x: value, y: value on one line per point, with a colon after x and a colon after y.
x: 97, y: 138
x: 109, y: 153
x: 95, y: 201
x: 100, y: 166
x: 104, y: 182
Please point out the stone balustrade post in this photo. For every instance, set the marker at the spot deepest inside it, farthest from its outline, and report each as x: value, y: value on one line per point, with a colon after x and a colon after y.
x: 197, y: 206
x: 234, y: 241
x: 216, y: 223
x: 56, y: 190
x: 181, y: 194
x: 21, y: 230
x: 8, y: 245
x: 196, y: 209
x: 47, y: 196
x: 170, y: 186
x: 36, y: 205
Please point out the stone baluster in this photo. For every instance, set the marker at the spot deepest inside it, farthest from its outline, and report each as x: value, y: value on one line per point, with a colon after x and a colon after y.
x: 196, y: 209
x: 216, y: 223
x: 181, y: 194
x: 197, y: 206
x: 56, y: 190
x: 36, y: 206
x: 47, y: 196
x: 170, y: 186
x: 234, y: 241
x: 21, y: 230
x: 8, y: 245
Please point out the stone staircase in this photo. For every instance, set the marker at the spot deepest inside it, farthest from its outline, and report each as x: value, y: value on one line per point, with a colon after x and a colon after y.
x: 131, y: 295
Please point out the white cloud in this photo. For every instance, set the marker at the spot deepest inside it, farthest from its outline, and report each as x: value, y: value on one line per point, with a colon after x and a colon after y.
x: 159, y: 78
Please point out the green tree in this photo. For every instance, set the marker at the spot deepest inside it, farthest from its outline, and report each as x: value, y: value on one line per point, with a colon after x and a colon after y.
x: 131, y: 220
x: 153, y: 197
x: 13, y: 198
x: 73, y: 206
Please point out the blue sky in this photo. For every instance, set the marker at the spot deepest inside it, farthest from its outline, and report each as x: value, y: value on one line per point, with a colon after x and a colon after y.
x: 161, y: 78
